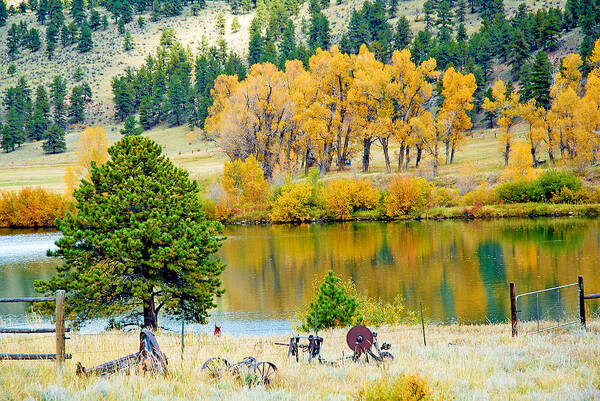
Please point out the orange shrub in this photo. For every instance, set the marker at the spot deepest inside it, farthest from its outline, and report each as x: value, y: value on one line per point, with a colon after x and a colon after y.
x: 342, y: 197
x: 407, y: 196
x: 31, y: 207
x: 293, y: 204
x: 484, y: 194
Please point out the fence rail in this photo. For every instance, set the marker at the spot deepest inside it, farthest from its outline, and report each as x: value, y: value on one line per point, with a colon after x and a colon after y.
x: 59, y: 329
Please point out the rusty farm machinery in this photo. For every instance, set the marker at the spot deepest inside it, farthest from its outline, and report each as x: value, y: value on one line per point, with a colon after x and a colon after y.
x: 361, y: 341
x: 149, y: 358
x: 249, y: 369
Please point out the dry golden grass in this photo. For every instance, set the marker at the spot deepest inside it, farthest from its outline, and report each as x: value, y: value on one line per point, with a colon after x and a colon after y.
x: 464, y: 362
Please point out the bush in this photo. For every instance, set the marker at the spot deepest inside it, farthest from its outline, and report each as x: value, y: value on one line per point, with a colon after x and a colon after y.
x: 31, y: 207
x: 397, y: 388
x: 343, y: 197
x: 376, y: 312
x: 333, y: 305
x: 444, y: 197
x: 242, y: 188
x: 482, y: 195
x: 293, y: 203
x: 542, y: 189
x: 406, y: 196
x: 566, y: 195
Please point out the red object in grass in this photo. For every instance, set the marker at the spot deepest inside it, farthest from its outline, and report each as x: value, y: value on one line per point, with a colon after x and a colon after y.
x: 217, y: 332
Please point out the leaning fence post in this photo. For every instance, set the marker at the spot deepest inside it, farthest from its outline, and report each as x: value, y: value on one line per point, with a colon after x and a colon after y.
x: 60, y: 328
x: 513, y: 309
x: 581, y: 302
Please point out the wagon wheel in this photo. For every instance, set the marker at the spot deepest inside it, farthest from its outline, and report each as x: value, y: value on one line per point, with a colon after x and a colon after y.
x: 266, y: 370
x: 215, y: 366
x: 248, y: 364
x: 387, y: 356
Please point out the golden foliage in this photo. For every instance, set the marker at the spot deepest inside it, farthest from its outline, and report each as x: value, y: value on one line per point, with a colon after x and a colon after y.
x: 520, y: 165
x: 406, y: 196
x: 93, y: 147
x: 31, y: 207
x: 342, y: 197
x: 293, y: 204
x: 244, y: 183
x: 397, y: 388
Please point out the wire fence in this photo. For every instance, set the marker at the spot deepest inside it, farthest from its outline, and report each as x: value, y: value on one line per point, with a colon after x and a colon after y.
x: 549, y: 308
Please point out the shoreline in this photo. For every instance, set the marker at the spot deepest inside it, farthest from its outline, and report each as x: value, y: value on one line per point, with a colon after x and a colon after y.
x: 483, y: 212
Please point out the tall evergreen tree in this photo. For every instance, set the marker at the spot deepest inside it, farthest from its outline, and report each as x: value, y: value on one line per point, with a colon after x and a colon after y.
x: 54, y: 140
x: 287, y: 48
x: 13, y: 41
x: 130, y: 127
x: 85, y: 39
x: 403, y: 34
x: 58, y: 91
x: 77, y: 106
x: 95, y: 20
x: 77, y: 11
x: 318, y: 32
x: 539, y: 80
x: 255, y: 48
x: 7, y: 143
x: 3, y: 13
x: 33, y: 40
x: 42, y: 11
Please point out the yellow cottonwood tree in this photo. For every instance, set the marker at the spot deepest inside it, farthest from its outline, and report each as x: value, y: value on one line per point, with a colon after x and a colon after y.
x: 451, y: 122
x: 507, y: 107
x: 92, y: 147
x: 410, y: 90
x: 520, y: 166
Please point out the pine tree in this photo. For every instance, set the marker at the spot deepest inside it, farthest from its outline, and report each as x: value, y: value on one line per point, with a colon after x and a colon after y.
x: 318, y: 33
x: 104, y: 21
x: 444, y: 19
x: 8, y: 143
x: 77, y: 106
x: 461, y: 10
x: 235, y: 25
x: 85, y: 39
x: 95, y: 20
x: 136, y: 187
x: 122, y: 97
x: 287, y: 48
x: 403, y: 34
x: 33, y: 40
x: 12, y: 41
x: 255, y: 48
x: 177, y: 99
x: 54, y: 140
x: 428, y: 9
x: 42, y: 11
x: 55, y: 11
x: 130, y: 127
x: 77, y: 11
x: 3, y: 13
x: 539, y: 80
x: 58, y: 91
x: 128, y: 42
x: 220, y: 24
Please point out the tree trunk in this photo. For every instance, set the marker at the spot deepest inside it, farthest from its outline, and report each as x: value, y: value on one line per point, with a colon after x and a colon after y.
x: 447, y: 143
x: 419, y: 151
x: 551, y: 156
x: 150, y: 320
x: 401, y: 157
x: 366, y: 154
x: 535, y: 162
x: 323, y: 164
x: 385, y: 145
x: 506, y: 153
x: 452, y: 155
x: 407, y: 157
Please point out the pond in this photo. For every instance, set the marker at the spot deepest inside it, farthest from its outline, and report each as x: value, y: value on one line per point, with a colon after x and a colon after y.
x: 458, y: 270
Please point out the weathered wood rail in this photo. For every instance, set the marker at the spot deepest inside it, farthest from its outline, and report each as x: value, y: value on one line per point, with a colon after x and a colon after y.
x: 59, y: 329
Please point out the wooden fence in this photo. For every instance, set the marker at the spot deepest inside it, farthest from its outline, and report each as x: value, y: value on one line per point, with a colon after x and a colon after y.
x: 60, y: 356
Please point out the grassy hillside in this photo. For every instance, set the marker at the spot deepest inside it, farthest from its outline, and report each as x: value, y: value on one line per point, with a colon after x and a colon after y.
x: 30, y: 166
x: 559, y: 365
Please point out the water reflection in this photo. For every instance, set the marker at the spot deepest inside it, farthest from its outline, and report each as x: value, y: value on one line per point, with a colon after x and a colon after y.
x: 459, y: 269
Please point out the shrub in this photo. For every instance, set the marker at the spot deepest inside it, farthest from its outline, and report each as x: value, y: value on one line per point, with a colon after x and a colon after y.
x: 566, y: 195
x: 406, y: 196
x: 342, y: 197
x: 553, y: 181
x: 520, y: 164
x: 444, y: 197
x: 377, y: 312
x: 542, y: 189
x: 293, y: 204
x: 31, y: 207
x: 333, y: 305
x: 482, y: 195
x: 397, y: 388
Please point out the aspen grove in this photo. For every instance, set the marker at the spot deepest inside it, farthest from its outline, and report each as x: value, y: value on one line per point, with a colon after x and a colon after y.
x: 339, y: 108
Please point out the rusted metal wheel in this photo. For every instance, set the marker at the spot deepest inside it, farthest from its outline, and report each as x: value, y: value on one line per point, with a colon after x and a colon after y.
x: 267, y: 371
x: 215, y: 366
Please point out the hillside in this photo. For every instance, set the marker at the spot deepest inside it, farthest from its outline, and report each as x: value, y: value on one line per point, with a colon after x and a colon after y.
x: 28, y: 165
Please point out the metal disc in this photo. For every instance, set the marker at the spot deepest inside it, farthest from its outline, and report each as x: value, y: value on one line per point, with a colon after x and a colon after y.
x: 359, y: 336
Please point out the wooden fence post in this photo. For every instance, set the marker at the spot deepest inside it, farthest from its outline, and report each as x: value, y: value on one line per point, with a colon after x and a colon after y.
x: 513, y: 309
x: 60, y: 328
x: 581, y: 302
